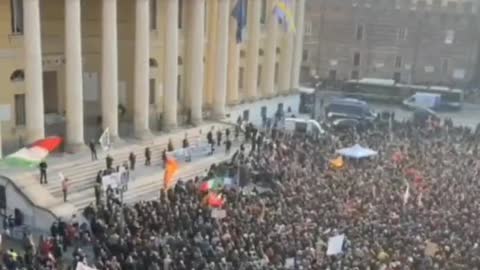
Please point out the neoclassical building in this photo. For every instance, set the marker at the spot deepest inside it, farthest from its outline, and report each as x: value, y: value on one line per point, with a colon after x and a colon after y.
x: 72, y: 67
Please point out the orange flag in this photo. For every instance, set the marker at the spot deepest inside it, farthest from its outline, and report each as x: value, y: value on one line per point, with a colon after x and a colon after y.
x: 171, y: 171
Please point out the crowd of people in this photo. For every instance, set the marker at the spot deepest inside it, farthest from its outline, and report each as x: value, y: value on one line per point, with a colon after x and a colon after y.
x: 412, y: 206
x: 391, y: 218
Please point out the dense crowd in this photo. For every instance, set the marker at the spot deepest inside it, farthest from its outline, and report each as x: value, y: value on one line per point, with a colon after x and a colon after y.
x: 413, y: 206
x: 434, y: 227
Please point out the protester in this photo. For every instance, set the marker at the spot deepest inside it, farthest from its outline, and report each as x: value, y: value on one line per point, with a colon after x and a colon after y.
x: 132, y: 159
x: 109, y: 162
x: 65, y: 187
x: 93, y: 150
x: 43, y: 172
x: 148, y: 156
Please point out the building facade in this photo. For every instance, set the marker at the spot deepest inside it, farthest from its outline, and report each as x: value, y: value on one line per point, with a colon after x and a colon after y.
x: 410, y: 41
x: 73, y: 67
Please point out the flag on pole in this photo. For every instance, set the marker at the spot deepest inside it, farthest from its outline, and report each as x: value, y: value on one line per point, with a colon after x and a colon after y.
x: 239, y: 12
x: 283, y: 11
x: 215, y: 200
x: 406, y: 195
x: 105, y: 140
x: 212, y: 184
x: 171, y: 170
x: 32, y: 155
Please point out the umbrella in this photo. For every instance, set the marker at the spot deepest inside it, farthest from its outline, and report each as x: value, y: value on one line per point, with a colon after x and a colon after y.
x: 357, y: 152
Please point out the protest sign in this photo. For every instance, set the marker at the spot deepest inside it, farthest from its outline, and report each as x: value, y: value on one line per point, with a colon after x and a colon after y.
x: 335, y: 244
x: 290, y: 263
x: 219, y: 213
x: 430, y: 248
x: 81, y: 266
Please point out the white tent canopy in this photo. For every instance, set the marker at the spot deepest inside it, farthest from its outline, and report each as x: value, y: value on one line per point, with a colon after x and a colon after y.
x: 357, y: 152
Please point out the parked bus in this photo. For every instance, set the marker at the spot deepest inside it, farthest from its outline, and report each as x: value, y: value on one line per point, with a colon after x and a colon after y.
x: 389, y: 91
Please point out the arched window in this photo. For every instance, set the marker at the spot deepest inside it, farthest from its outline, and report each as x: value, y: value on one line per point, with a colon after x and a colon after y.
x: 180, y: 61
x: 17, y: 76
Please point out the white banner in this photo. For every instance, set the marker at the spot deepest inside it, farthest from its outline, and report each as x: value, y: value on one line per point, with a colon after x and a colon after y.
x: 219, y: 213
x: 81, y: 266
x: 335, y: 244
x: 115, y: 180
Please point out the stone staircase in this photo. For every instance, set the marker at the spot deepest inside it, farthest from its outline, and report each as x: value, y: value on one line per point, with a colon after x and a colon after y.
x: 82, y: 173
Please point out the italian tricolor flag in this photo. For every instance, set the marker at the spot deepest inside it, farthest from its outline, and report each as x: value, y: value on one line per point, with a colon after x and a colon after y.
x: 33, y: 154
x: 212, y: 184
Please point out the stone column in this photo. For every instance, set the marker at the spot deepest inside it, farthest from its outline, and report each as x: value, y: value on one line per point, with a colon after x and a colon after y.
x: 212, y: 6
x: 233, y: 63
x: 254, y: 8
x: 220, y: 96
x: 268, y: 80
x: 286, y: 58
x: 298, y: 51
x: 196, y: 49
x: 110, y: 68
x: 171, y: 66
x: 142, y: 69
x: 74, y: 76
x: 35, y: 123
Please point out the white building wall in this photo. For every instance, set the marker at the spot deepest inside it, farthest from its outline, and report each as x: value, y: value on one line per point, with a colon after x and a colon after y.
x: 38, y: 220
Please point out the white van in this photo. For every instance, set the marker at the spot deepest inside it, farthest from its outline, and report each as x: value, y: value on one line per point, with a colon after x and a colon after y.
x: 423, y: 100
x: 307, y: 125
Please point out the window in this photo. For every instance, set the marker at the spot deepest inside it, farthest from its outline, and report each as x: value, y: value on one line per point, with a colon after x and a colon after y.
x: 356, y: 59
x: 355, y: 75
x: 421, y: 4
x: 444, y: 66
x: 276, y: 72
x: 17, y: 76
x: 246, y: 115
x: 468, y: 7
x: 359, y: 32
x: 151, y: 96
x: 305, y: 55
x: 259, y: 75
x: 437, y: 4
x: 180, y: 14
x: 240, y: 78
x: 16, y: 9
x: 402, y: 33
x: 398, y: 61
x: 449, y: 36
x: 308, y: 28
x: 398, y: 4
x: 3, y: 198
x: 397, y: 76
x: 452, y: 5
x: 153, y: 14
x: 242, y: 54
x: 332, y: 75
x: 179, y: 87
x: 263, y: 18
x: 20, y: 119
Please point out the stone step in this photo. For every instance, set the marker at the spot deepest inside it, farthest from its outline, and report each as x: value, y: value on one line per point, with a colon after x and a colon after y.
x: 82, y: 175
x: 148, y: 187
